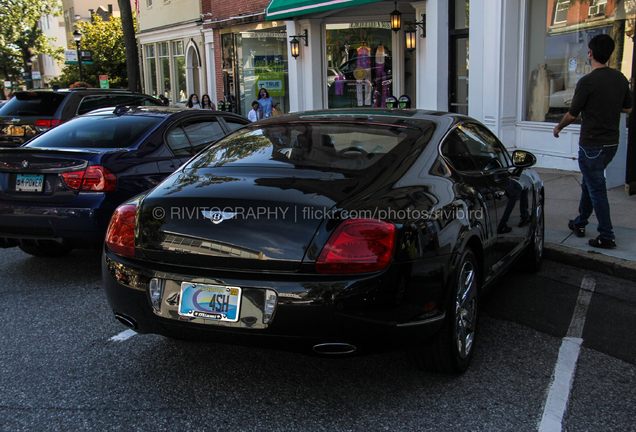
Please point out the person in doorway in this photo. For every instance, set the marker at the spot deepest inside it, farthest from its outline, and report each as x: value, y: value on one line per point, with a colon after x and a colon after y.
x: 600, y: 97
x: 193, y: 102
x: 266, y: 103
x: 206, y: 103
x: 253, y: 114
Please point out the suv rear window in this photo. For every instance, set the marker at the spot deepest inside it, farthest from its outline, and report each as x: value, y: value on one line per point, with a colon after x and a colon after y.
x: 32, y: 104
x: 98, y: 132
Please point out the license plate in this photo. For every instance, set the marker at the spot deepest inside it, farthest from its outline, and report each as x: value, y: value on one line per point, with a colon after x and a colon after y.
x: 16, y: 131
x: 210, y: 302
x: 29, y: 182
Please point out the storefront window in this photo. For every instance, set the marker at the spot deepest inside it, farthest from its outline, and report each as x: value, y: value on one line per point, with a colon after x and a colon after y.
x: 178, y: 63
x: 164, y: 69
x: 227, y: 45
x: 262, y: 63
x: 151, y: 70
x: 558, y: 33
x: 359, y: 64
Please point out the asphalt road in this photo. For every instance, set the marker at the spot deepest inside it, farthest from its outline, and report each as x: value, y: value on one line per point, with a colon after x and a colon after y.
x: 61, y: 369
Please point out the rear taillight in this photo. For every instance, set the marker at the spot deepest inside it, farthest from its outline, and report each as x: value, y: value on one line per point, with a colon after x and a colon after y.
x: 120, y: 237
x: 94, y: 179
x: 358, y: 246
x: 48, y: 123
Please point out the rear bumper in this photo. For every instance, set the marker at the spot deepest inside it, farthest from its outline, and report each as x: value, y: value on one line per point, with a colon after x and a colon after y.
x: 82, y: 222
x: 382, y: 311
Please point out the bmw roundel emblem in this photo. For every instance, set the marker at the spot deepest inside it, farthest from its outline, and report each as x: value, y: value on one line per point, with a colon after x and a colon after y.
x: 25, y: 164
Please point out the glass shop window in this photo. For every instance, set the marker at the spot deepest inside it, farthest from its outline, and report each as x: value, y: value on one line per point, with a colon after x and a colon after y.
x: 359, y: 64
x: 558, y: 33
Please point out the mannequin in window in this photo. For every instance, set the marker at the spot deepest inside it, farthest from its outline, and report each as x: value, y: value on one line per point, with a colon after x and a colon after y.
x: 364, y: 62
x: 380, y: 55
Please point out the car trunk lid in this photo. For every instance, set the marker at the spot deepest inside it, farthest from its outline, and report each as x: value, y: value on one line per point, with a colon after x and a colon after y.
x: 35, y: 175
x: 223, y: 218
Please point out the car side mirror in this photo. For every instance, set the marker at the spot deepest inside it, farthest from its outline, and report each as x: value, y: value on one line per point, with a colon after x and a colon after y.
x: 523, y: 159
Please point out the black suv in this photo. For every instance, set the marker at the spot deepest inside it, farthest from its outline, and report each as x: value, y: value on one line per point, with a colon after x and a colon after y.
x: 30, y: 113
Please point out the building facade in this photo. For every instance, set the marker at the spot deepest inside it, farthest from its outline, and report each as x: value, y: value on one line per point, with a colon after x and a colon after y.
x: 171, y: 49
x: 512, y: 64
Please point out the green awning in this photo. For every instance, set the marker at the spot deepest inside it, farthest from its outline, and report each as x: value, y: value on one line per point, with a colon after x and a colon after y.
x: 280, y: 9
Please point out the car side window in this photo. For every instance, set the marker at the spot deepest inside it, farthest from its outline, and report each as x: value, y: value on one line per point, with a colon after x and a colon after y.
x: 203, y: 132
x: 90, y: 103
x: 455, y: 151
x: 178, y: 142
x: 484, y: 148
x: 233, y: 124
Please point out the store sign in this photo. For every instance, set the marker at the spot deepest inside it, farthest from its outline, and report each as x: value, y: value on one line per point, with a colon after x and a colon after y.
x: 35, y: 75
x: 381, y: 24
x: 256, y: 35
x: 269, y: 73
x: 103, y: 81
x: 70, y: 57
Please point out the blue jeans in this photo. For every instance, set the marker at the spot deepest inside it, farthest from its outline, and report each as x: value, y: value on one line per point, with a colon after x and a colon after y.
x: 592, y: 162
x: 515, y: 191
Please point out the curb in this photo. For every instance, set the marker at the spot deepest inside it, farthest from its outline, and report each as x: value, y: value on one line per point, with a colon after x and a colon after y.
x: 591, y: 260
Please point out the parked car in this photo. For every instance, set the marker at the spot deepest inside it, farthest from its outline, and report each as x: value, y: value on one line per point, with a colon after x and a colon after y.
x: 59, y: 190
x: 32, y: 112
x: 334, y: 231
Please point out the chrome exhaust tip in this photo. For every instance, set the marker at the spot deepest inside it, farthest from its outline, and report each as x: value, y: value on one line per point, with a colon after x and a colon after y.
x: 334, y: 348
x: 127, y: 321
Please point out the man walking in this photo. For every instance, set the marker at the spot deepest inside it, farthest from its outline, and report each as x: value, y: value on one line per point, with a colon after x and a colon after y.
x: 600, y: 97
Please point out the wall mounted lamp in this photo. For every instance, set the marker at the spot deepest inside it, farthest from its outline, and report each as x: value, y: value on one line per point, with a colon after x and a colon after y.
x: 294, y: 45
x: 396, y: 20
x: 410, y: 33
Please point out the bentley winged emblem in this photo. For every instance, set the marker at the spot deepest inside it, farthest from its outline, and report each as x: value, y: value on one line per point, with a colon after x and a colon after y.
x: 217, y: 216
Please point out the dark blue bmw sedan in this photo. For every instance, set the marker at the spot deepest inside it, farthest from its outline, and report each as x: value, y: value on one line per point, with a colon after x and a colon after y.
x: 59, y: 190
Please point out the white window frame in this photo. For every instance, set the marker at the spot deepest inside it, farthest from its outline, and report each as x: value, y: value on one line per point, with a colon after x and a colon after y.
x: 558, y: 8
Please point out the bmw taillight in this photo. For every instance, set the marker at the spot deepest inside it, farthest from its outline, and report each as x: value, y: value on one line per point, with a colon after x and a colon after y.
x: 358, y: 246
x: 120, y: 237
x: 48, y: 123
x: 94, y: 179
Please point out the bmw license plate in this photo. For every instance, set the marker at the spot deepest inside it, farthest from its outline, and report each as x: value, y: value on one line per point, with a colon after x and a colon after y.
x: 29, y: 182
x: 211, y: 302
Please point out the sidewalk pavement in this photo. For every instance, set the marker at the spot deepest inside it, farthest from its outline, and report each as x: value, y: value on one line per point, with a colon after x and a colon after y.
x: 562, y: 194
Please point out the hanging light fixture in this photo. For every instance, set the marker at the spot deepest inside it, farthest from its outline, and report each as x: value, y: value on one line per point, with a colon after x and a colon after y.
x: 294, y: 44
x: 396, y: 20
x: 410, y: 34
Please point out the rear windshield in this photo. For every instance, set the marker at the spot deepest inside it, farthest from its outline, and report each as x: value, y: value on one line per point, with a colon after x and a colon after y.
x: 101, y: 132
x: 337, y: 146
x: 42, y: 104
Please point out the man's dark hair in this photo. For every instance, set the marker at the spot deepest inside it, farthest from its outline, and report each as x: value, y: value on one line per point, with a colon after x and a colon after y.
x: 602, y: 47
x: 254, y: 103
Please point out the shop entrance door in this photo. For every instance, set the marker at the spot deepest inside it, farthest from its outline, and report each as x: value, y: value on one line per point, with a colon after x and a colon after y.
x: 458, y: 64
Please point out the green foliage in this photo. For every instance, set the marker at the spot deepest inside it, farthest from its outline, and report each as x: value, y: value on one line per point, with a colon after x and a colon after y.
x: 20, y: 36
x: 106, y: 40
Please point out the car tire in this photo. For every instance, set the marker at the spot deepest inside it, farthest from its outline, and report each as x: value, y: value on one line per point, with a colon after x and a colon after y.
x: 532, y: 256
x: 49, y: 249
x: 451, y: 349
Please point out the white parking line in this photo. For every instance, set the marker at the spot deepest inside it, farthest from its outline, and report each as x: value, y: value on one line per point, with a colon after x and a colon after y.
x: 126, y: 334
x: 559, y: 393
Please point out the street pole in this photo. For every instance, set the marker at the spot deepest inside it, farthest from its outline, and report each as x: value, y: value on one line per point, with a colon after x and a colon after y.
x: 77, y: 36
x: 79, y: 59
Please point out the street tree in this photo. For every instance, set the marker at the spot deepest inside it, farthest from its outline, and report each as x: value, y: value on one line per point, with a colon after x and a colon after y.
x: 20, y: 35
x: 106, y: 40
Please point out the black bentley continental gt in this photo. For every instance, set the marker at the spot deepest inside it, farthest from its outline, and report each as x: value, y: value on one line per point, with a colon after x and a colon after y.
x: 336, y: 231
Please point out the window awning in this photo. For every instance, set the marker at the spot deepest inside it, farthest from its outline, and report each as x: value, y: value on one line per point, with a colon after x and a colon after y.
x: 280, y: 9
